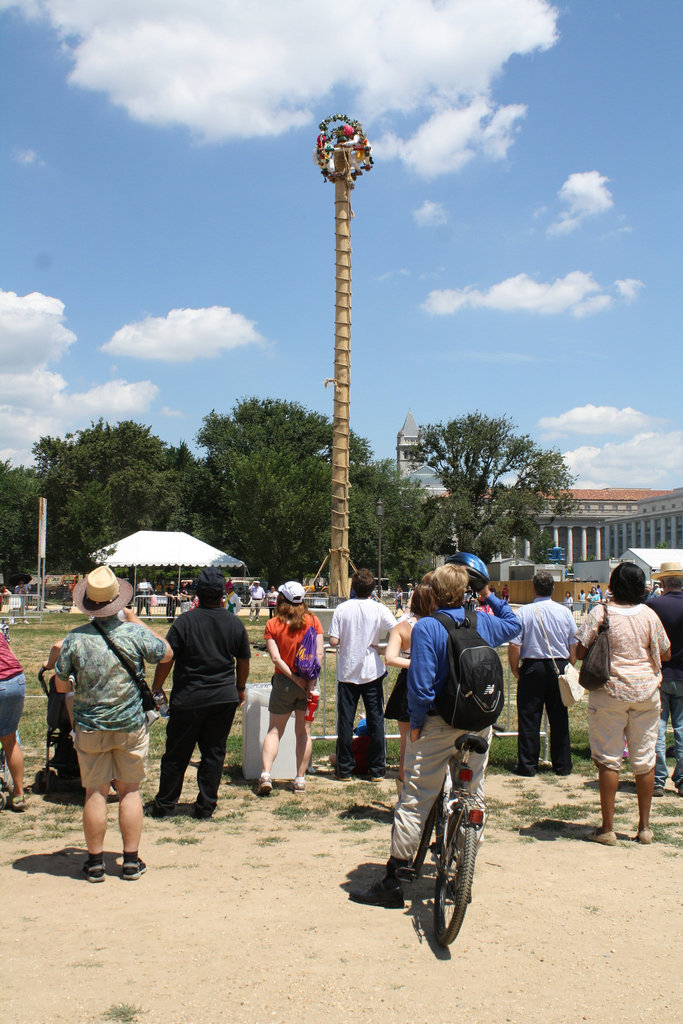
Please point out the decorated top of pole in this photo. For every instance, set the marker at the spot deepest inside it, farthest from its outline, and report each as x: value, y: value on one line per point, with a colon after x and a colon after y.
x: 348, y: 140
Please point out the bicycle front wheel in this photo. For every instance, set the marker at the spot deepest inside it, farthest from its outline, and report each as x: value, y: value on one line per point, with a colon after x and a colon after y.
x: 453, y: 888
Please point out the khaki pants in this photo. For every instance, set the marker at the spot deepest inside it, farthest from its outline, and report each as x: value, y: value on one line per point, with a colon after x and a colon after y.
x: 425, y: 770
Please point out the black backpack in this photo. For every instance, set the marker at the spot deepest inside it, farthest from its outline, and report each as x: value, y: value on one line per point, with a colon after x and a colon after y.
x: 474, y: 693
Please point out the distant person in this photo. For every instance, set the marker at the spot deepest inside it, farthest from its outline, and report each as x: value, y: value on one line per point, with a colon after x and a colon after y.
x: 271, y: 600
x: 568, y: 600
x: 144, y: 596
x: 232, y: 603
x: 21, y: 590
x: 358, y: 625
x: 12, y: 697
x: 210, y: 658
x: 172, y: 597
x: 547, y: 636
x: 109, y: 722
x: 398, y: 600
x: 257, y: 594
x: 505, y: 593
x: 668, y: 606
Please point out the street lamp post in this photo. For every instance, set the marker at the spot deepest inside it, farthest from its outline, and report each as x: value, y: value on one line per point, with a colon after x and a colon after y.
x: 379, y: 512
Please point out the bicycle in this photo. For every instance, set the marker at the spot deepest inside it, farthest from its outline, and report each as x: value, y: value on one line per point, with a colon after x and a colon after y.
x: 457, y: 817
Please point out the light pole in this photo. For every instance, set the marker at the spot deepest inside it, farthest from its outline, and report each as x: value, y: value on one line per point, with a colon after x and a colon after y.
x: 379, y: 512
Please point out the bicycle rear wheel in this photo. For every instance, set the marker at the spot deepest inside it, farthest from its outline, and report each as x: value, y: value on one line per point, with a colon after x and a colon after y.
x: 453, y: 888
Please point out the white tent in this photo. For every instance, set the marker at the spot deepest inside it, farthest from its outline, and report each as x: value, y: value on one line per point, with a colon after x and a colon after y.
x: 650, y: 559
x: 149, y: 547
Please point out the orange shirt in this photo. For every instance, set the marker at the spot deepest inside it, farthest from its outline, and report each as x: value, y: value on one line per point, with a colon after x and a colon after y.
x: 287, y: 642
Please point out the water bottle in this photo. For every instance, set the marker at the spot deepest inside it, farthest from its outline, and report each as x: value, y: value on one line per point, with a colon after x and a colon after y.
x: 161, y: 702
x: 312, y: 706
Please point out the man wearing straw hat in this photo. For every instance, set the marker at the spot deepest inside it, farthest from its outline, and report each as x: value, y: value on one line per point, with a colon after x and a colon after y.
x: 109, y: 721
x: 668, y: 605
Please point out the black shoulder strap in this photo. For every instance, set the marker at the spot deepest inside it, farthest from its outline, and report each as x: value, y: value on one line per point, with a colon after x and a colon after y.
x: 132, y: 671
x: 452, y: 626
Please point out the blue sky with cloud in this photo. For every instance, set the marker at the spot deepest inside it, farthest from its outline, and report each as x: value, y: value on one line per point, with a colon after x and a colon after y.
x: 168, y: 241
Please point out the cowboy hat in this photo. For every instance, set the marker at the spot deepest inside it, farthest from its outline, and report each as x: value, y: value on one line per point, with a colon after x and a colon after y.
x: 668, y: 569
x: 102, y: 593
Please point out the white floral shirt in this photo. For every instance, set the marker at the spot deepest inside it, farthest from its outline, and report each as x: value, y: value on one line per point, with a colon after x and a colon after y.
x: 637, y: 641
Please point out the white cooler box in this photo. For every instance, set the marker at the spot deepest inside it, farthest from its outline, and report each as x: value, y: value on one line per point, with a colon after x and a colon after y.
x: 255, y: 721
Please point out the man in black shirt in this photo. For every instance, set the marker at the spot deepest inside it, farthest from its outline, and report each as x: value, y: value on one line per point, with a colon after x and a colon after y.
x: 211, y: 657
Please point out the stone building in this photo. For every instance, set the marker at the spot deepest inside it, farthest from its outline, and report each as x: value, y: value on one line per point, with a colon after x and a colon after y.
x: 604, y: 522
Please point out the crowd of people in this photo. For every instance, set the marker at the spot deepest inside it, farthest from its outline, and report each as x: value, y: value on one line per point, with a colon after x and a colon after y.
x: 99, y: 668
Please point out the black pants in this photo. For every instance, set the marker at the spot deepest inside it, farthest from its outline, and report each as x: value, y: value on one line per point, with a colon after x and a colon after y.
x: 207, y: 727
x: 538, y: 688
x: 348, y: 695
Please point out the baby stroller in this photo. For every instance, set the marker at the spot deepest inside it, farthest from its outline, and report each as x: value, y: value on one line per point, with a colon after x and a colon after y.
x: 63, y: 765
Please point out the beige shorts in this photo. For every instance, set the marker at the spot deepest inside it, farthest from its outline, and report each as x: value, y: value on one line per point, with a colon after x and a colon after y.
x: 104, y: 756
x: 286, y: 696
x: 612, y: 721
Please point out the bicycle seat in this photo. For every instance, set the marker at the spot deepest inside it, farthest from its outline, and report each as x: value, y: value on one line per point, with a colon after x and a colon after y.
x: 473, y: 742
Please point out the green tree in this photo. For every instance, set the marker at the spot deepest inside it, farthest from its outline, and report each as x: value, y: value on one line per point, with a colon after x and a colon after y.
x: 498, y: 483
x: 270, y: 466
x: 404, y: 554
x: 102, y: 483
x: 18, y: 519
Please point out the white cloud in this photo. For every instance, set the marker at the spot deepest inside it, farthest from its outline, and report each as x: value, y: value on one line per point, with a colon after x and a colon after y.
x: 629, y: 288
x: 585, y: 194
x: 31, y: 330
x: 430, y: 214
x: 26, y: 157
x: 184, y: 335
x: 648, y: 459
x: 577, y: 293
x: 35, y: 400
x: 229, y: 69
x: 452, y: 137
x: 597, y: 419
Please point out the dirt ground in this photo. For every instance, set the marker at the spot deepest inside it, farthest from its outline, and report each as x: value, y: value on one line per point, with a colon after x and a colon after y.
x: 246, y: 918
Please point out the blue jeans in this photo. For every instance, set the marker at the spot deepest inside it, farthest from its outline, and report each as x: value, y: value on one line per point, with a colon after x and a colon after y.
x: 671, y: 706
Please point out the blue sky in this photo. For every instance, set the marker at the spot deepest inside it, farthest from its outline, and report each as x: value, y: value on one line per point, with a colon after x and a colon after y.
x: 168, y: 241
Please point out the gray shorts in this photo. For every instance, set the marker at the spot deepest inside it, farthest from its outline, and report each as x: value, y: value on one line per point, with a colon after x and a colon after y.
x: 286, y: 696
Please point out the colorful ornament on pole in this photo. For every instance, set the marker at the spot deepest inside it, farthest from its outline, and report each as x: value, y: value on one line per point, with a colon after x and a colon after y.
x: 347, y: 135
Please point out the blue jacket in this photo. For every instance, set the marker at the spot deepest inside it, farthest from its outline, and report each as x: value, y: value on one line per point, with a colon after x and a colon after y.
x: 429, y: 666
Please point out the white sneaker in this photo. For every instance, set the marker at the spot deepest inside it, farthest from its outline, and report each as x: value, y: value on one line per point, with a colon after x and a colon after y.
x: 265, y: 786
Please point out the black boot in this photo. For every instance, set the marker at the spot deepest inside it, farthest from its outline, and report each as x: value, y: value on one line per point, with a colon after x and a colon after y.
x: 384, y: 892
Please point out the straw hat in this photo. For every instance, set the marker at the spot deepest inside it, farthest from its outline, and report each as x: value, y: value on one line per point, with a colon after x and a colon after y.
x: 668, y: 569
x: 102, y: 593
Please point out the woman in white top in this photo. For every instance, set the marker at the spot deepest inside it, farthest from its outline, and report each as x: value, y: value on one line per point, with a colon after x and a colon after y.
x: 398, y: 654
x: 627, y: 708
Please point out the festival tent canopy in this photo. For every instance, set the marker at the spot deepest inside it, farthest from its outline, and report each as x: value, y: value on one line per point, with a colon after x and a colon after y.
x: 151, y: 547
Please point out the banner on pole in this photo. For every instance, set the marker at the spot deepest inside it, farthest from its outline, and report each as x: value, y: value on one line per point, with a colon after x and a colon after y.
x: 42, y: 526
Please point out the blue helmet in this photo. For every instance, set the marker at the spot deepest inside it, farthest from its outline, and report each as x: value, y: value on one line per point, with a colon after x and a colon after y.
x: 476, y: 569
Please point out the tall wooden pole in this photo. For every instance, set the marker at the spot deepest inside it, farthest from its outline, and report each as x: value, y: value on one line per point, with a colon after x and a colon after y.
x: 339, y: 548
x: 342, y: 156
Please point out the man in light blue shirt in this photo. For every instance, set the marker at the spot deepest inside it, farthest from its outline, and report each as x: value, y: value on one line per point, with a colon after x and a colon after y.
x: 541, y: 650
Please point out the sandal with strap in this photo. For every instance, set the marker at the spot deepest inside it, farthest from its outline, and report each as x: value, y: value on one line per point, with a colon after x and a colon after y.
x: 18, y: 804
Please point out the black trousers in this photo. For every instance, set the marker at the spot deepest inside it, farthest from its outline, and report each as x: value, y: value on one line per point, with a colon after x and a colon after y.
x: 208, y: 728
x: 538, y: 688
x: 348, y: 695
